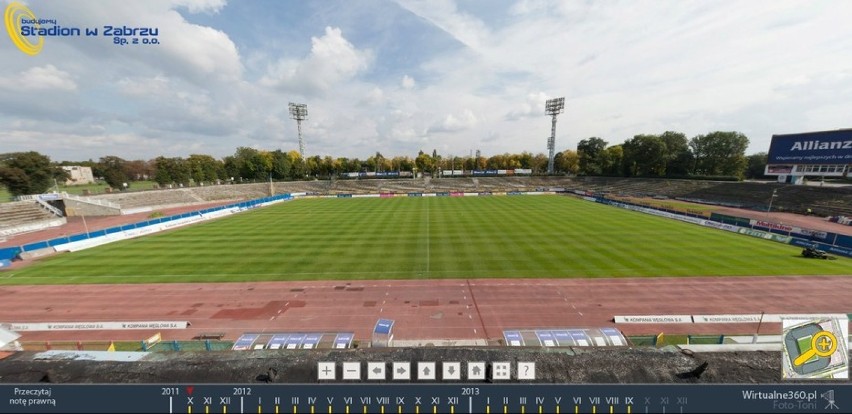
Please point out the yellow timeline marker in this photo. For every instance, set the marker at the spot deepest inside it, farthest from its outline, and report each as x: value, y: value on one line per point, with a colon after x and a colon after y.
x: 823, y: 348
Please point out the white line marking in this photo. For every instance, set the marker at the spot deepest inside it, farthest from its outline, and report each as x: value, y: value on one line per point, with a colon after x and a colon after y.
x: 427, y: 237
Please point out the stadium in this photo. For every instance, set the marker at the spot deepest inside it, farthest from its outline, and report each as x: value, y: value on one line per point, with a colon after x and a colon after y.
x: 452, y: 262
x: 241, y: 261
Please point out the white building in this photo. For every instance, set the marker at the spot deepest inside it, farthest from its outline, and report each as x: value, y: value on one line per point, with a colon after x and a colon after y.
x: 79, y: 175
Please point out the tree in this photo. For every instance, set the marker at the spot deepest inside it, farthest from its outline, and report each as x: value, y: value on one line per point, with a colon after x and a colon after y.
x: 613, y: 160
x: 756, y: 165
x: 231, y: 168
x: 262, y: 162
x: 720, y: 153
x: 204, y: 168
x: 29, y: 172
x: 113, y: 171
x: 538, y: 164
x: 424, y: 162
x: 567, y: 162
x: 16, y: 180
x: 591, y: 153
x: 172, y: 171
x: 137, y: 170
x: 297, y: 164
x: 281, y: 167
x: 161, y: 171
x: 644, y: 155
x: 678, y: 157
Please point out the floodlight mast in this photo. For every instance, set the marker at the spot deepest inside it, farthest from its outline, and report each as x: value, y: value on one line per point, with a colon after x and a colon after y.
x: 299, y: 112
x: 553, y: 107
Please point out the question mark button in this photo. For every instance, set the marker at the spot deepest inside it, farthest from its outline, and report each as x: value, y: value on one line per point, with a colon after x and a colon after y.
x: 526, y: 370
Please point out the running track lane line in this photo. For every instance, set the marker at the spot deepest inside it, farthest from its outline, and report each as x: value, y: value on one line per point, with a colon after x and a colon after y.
x: 478, y: 313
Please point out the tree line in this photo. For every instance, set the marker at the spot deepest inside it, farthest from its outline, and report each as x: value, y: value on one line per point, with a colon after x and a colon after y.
x: 669, y: 154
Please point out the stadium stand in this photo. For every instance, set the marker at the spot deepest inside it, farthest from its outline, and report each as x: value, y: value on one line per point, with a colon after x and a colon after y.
x: 152, y: 198
x: 303, y: 187
x: 453, y: 184
x: 22, y: 213
x: 823, y: 201
x: 15, y: 213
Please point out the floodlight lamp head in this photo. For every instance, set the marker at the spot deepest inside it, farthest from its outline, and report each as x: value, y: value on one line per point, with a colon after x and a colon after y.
x: 554, y: 106
x: 298, y: 112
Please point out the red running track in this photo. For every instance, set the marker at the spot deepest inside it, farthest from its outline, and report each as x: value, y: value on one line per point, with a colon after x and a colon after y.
x: 422, y: 309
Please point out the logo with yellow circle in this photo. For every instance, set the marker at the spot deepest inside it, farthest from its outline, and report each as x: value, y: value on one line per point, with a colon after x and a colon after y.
x: 16, y: 14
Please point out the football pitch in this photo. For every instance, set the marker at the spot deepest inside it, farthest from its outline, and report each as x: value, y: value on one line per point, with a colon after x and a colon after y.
x: 426, y: 237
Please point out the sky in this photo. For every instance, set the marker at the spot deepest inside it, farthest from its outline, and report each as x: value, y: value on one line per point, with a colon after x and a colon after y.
x: 407, y: 75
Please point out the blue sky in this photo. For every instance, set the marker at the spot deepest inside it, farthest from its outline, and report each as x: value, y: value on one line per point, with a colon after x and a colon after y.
x: 401, y: 76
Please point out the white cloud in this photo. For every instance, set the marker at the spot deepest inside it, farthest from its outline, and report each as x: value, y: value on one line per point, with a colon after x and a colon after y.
x: 444, y: 14
x: 39, y: 78
x: 532, y: 106
x: 332, y: 60
x: 374, y: 96
x: 447, y: 75
x: 202, y: 6
x: 408, y: 82
x: 453, y: 123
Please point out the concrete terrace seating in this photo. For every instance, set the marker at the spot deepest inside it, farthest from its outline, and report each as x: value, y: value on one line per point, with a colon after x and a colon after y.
x: 440, y: 185
x: 403, y: 186
x: 231, y: 191
x: 302, y: 187
x: 152, y: 198
x: 22, y: 212
x: 184, y: 196
x: 356, y: 186
x: 822, y: 200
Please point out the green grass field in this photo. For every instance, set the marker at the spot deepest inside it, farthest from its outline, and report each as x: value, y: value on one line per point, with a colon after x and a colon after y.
x: 444, y: 237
